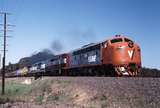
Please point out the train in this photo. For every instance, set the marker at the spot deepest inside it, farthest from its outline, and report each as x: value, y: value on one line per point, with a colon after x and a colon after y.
x: 116, y: 56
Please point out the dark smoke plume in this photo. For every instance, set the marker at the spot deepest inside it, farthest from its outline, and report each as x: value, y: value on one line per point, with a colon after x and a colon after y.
x: 56, y: 46
x: 80, y: 36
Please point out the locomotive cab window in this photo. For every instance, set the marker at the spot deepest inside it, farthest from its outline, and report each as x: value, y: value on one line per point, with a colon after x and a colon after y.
x: 116, y: 40
x: 127, y: 40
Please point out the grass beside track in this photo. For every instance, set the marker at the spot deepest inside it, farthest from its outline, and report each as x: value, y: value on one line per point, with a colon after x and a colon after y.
x: 87, y: 92
x: 36, y: 92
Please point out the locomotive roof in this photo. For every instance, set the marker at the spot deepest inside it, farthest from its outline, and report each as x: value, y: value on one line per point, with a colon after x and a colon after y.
x: 94, y: 44
x: 86, y: 46
x: 119, y: 36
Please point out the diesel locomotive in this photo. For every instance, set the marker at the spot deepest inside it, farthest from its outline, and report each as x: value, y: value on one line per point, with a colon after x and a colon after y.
x: 117, y: 56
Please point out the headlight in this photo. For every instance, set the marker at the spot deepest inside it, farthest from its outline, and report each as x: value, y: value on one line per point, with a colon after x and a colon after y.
x: 122, y: 69
x: 120, y: 47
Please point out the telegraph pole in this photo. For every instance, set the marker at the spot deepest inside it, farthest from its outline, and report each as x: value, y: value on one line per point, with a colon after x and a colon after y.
x: 4, y: 57
x: 4, y: 50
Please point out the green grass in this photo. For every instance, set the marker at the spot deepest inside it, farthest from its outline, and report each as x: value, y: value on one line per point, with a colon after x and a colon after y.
x: 14, y: 92
x: 53, y: 98
x: 37, y: 91
x: 15, y: 89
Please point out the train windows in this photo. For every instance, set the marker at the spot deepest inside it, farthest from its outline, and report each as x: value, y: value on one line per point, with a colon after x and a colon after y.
x: 116, y: 40
x: 127, y: 40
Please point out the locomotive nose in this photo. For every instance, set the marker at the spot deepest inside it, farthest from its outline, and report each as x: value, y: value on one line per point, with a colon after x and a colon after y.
x: 125, y: 52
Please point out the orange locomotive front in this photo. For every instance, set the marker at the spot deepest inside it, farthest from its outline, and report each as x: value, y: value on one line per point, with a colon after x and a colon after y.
x: 123, y: 54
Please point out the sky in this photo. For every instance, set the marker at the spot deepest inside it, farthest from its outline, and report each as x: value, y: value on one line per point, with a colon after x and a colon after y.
x: 74, y: 23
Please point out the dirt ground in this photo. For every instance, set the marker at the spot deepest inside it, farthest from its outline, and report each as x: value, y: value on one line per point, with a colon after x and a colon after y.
x: 86, y: 92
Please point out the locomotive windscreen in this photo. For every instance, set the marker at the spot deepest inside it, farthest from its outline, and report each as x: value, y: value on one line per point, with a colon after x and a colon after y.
x: 116, y: 40
x: 127, y: 40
